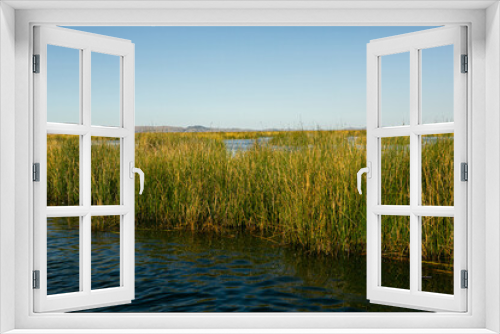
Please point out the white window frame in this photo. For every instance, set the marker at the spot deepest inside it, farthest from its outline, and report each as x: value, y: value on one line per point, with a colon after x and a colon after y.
x: 483, y: 314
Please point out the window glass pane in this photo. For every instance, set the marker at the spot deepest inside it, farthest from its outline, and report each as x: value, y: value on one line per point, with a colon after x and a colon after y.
x: 63, y: 255
x: 437, y: 169
x: 63, y: 170
x: 395, y: 170
x: 437, y: 254
x: 105, y: 89
x: 105, y: 171
x: 395, y: 246
x: 437, y: 84
x: 395, y: 89
x: 63, y: 84
x: 105, y: 252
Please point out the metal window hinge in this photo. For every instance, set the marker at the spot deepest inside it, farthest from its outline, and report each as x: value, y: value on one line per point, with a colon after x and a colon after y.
x: 36, y: 172
x: 36, y: 279
x: 464, y: 171
x: 465, y: 64
x: 36, y: 63
x: 464, y: 279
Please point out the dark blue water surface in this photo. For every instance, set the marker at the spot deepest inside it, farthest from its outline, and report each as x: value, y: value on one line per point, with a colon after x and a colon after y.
x: 194, y: 272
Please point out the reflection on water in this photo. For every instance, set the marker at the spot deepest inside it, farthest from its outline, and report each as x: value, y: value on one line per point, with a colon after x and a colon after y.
x: 63, y: 259
x: 187, y: 272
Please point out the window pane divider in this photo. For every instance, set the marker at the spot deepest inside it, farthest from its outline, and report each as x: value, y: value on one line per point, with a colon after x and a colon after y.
x: 110, y: 132
x: 392, y: 210
x: 433, y: 129
x: 434, y: 211
x: 67, y: 211
x: 418, y: 210
x: 423, y: 129
x: 77, y: 129
x: 80, y: 211
x: 396, y: 131
x: 109, y: 210
x: 66, y: 129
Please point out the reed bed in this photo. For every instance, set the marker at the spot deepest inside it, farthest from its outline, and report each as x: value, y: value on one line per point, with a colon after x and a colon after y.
x: 298, y: 188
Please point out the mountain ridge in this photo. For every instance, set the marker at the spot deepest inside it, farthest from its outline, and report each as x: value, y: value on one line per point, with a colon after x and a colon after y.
x: 201, y: 128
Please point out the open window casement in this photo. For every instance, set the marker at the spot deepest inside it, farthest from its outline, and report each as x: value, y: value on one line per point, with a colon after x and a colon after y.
x: 414, y: 211
x: 83, y: 131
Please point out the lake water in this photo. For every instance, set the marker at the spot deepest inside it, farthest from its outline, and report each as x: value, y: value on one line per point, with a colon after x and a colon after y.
x: 194, y: 272
x: 242, y: 145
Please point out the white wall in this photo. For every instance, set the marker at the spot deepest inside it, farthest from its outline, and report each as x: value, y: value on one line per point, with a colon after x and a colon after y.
x: 7, y: 160
x: 492, y: 163
x: 479, y: 122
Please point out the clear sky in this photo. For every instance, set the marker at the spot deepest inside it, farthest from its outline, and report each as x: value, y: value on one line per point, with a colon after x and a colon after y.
x: 251, y: 77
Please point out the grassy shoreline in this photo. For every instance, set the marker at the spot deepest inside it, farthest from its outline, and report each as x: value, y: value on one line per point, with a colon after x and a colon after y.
x: 299, y: 188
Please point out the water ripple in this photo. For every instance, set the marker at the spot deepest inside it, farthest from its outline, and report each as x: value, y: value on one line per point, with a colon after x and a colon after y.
x: 184, y: 272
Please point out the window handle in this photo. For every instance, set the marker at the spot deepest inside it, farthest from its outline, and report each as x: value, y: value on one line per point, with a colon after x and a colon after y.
x: 134, y: 170
x: 368, y: 171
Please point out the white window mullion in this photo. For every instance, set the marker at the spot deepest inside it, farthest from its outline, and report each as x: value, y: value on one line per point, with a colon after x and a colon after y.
x: 81, y: 131
x: 86, y: 175
x: 416, y: 196
x: 414, y: 172
x: 85, y: 160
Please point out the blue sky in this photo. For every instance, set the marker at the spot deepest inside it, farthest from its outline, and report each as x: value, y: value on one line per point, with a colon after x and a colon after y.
x: 250, y: 77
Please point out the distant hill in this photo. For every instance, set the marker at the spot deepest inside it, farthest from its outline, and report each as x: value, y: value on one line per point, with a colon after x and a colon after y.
x: 194, y: 128
x: 200, y: 128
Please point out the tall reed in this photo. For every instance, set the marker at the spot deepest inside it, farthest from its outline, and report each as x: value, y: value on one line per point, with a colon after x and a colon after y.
x: 298, y: 188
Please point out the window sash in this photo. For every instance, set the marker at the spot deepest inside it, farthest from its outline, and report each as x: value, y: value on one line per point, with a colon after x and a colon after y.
x: 86, y: 298
x: 414, y: 298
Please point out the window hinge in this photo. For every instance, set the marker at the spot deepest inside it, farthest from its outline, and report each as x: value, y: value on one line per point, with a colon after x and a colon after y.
x: 36, y: 279
x: 465, y: 64
x: 464, y: 173
x: 36, y: 63
x: 465, y: 279
x: 36, y: 172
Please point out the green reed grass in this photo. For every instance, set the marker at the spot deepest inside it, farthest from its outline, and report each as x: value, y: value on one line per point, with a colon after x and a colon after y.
x: 298, y: 189
x: 63, y: 172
